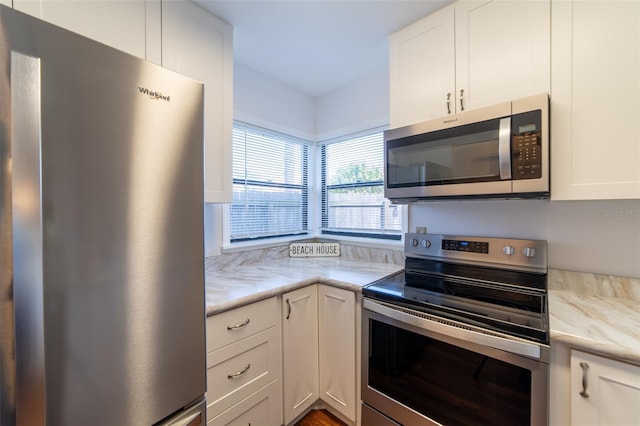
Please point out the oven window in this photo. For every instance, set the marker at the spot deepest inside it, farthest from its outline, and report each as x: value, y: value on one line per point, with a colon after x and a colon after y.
x: 448, y: 384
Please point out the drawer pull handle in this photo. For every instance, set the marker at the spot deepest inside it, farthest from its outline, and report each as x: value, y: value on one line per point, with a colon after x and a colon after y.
x: 461, y: 99
x: 288, y: 309
x: 239, y: 373
x: 448, y: 103
x: 585, y: 369
x: 242, y: 324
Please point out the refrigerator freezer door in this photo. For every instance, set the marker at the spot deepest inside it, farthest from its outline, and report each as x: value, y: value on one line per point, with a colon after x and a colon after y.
x: 119, y: 302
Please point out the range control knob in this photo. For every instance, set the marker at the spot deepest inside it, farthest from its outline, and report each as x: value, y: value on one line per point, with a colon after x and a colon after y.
x: 426, y: 243
x: 508, y: 250
x: 529, y: 251
x: 414, y: 242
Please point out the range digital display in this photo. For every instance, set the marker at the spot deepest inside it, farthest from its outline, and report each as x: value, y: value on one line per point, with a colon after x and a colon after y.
x: 467, y: 246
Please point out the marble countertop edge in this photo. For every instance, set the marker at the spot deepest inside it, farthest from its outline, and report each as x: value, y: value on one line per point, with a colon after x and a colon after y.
x: 605, y: 349
x: 226, y: 305
x: 607, y: 326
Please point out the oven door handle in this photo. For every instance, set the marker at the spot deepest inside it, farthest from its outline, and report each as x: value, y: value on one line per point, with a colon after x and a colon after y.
x: 512, y: 344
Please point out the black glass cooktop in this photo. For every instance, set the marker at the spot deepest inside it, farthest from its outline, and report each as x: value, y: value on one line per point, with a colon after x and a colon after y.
x: 506, y: 301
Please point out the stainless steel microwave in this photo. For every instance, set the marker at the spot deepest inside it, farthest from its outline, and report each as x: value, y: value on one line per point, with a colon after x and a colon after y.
x: 500, y: 151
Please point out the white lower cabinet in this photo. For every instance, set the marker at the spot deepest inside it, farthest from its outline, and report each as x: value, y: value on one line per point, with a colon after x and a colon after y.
x: 604, y: 392
x: 272, y: 360
x: 300, y: 350
x: 319, y: 351
x: 337, y: 346
x: 260, y: 409
x: 244, y: 365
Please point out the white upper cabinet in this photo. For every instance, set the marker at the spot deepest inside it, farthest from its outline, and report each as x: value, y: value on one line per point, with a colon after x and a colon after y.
x: 197, y: 44
x: 119, y: 24
x: 179, y: 35
x: 422, y: 70
x: 468, y: 55
x: 595, y: 100
x: 502, y: 51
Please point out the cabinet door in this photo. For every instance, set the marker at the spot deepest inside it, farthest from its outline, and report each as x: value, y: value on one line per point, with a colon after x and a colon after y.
x: 421, y: 70
x: 604, y: 392
x: 197, y: 44
x: 119, y: 24
x: 502, y: 51
x: 337, y: 337
x: 300, y: 350
x: 595, y: 100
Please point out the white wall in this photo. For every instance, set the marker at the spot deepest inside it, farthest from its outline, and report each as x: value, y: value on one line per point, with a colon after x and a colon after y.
x: 590, y: 236
x: 267, y: 103
x: 264, y: 102
x: 360, y: 106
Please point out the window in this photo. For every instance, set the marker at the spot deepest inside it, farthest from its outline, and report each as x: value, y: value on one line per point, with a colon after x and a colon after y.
x: 353, y: 202
x: 270, y: 184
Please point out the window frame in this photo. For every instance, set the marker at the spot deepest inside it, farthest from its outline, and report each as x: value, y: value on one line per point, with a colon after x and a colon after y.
x: 315, y: 203
x: 372, y: 237
x: 305, y: 187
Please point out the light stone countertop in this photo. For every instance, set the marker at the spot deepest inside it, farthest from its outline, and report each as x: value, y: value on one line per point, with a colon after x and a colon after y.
x: 232, y: 286
x: 594, y: 313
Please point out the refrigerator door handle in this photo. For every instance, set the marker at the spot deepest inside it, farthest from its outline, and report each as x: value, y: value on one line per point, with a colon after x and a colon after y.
x: 193, y: 420
x: 27, y: 243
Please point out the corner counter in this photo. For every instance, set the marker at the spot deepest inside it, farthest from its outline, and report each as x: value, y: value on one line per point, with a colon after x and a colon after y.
x: 596, y: 313
x: 231, y: 286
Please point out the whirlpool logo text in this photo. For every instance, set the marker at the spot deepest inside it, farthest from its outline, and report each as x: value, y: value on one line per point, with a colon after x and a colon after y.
x: 153, y: 94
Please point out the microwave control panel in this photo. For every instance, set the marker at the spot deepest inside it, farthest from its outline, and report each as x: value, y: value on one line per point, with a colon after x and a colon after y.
x: 526, y: 145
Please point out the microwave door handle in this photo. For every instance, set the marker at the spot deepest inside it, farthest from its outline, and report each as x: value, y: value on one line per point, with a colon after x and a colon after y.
x: 504, y: 148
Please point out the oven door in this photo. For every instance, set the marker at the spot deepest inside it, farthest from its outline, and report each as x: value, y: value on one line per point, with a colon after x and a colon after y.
x: 416, y: 371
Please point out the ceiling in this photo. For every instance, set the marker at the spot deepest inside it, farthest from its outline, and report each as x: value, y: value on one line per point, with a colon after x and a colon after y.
x: 316, y: 46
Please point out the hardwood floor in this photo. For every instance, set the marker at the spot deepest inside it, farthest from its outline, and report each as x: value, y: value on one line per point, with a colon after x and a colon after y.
x: 320, y: 418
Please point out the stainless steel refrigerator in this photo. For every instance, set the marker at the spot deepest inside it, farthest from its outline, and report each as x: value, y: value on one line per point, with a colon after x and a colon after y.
x: 101, y: 243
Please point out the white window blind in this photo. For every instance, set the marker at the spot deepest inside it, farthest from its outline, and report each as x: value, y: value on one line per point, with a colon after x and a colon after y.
x: 353, y: 200
x: 270, y: 184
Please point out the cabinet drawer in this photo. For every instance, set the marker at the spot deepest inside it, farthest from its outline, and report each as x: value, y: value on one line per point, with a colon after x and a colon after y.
x: 261, y: 408
x: 238, y: 370
x: 231, y: 326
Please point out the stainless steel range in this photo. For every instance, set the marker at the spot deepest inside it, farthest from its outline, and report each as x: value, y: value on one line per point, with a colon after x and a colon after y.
x: 460, y: 336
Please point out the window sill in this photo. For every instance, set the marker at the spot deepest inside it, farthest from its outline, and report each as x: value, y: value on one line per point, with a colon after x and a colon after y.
x: 263, y: 244
x: 284, y: 241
